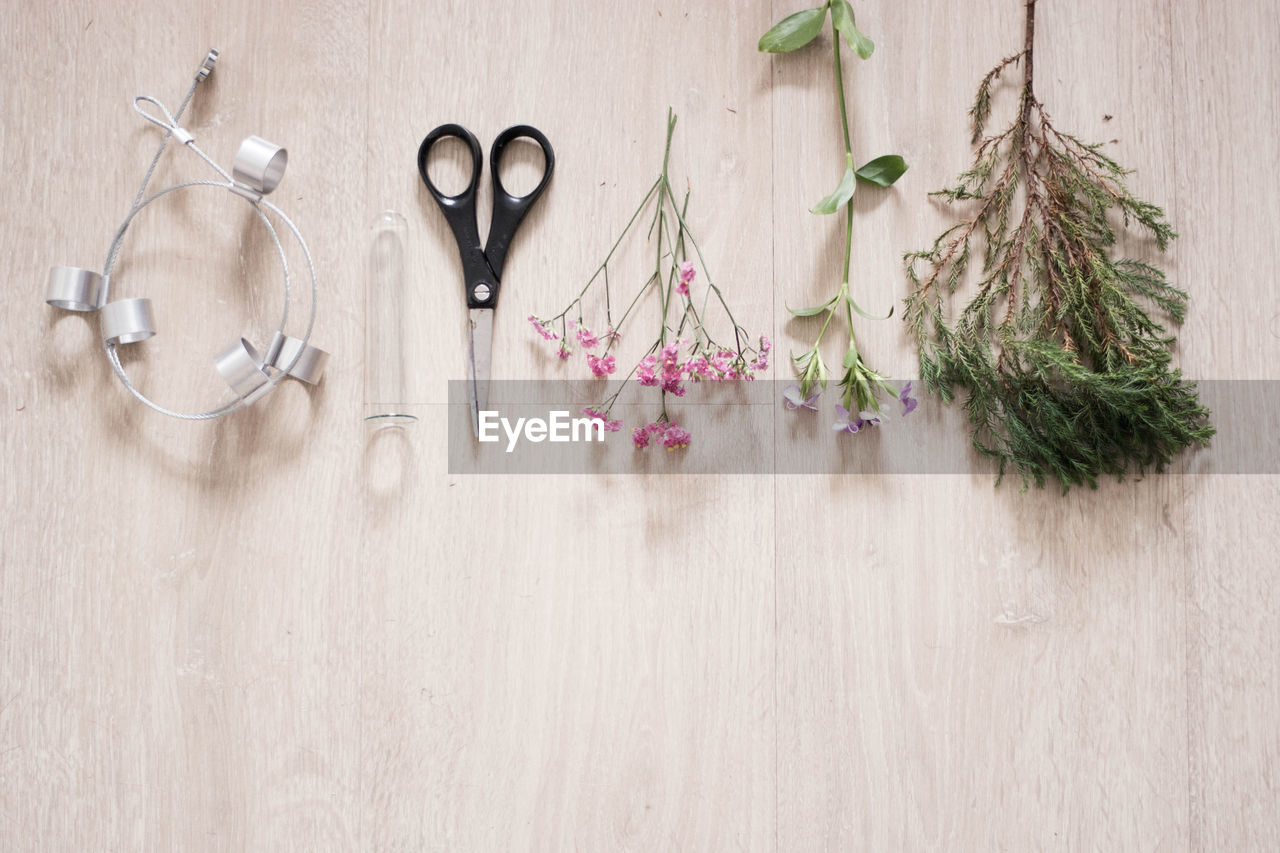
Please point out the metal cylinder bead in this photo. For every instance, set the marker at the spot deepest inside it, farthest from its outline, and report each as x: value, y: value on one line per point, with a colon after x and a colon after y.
x: 74, y: 289
x: 310, y: 363
x: 259, y: 165
x: 241, y: 366
x: 127, y: 321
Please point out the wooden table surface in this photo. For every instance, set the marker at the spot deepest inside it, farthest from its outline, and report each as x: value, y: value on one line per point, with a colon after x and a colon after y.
x: 270, y: 633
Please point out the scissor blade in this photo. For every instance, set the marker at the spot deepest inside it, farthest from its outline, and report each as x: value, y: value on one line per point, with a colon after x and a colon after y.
x: 480, y: 327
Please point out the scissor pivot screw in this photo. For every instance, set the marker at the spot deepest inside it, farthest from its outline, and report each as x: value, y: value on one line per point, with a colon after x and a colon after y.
x: 481, y: 293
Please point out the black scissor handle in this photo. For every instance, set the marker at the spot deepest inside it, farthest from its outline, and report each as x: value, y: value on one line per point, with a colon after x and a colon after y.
x: 460, y: 212
x: 454, y: 131
x: 509, y: 210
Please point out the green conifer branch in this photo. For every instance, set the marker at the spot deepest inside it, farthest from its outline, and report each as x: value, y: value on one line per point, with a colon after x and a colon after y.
x: 1062, y: 350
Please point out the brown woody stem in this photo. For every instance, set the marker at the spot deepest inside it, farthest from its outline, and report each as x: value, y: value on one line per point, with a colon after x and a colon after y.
x: 1028, y: 50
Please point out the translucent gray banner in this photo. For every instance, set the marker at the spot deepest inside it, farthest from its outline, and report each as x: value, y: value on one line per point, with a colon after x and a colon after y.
x: 748, y: 428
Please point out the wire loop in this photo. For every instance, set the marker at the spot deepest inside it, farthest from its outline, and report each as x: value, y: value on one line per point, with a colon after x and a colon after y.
x: 258, y: 168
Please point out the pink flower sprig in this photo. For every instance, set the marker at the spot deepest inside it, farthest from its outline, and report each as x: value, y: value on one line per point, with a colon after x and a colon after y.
x: 672, y: 436
x: 596, y: 415
x: 684, y: 348
x: 541, y: 328
x: 601, y: 367
x: 665, y: 370
x: 687, y: 274
x: 586, y: 338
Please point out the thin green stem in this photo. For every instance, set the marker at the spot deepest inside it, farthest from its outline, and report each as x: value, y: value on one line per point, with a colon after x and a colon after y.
x: 657, y: 273
x: 848, y: 239
x: 618, y: 242
x: 603, y: 268
x: 608, y: 403
x: 677, y: 253
x: 737, y: 330
x: 831, y: 312
x: 634, y: 300
x: 844, y: 113
x: 671, y: 129
x: 848, y: 313
x: 848, y: 157
x: 608, y: 303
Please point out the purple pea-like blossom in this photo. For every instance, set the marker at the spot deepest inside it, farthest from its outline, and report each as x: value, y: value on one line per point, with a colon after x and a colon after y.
x: 849, y: 422
x: 909, y: 403
x: 792, y: 400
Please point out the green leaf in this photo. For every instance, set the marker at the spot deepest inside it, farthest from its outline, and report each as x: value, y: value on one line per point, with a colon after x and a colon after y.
x: 842, y: 18
x: 811, y: 369
x: 840, y: 197
x: 809, y: 312
x: 883, y: 171
x: 850, y: 358
x: 862, y: 313
x: 794, y: 31
x: 863, y: 45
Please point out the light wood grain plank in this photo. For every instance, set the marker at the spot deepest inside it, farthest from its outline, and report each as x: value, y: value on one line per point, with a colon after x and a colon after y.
x: 1233, y: 679
x: 567, y: 663
x: 1227, y: 101
x: 962, y: 667
x: 175, y: 597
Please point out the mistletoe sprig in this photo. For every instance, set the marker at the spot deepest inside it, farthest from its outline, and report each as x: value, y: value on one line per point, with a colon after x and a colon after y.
x: 683, y: 348
x: 1065, y: 364
x: 861, y: 387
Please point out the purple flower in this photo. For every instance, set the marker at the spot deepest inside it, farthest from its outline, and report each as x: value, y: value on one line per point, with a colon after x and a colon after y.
x: 909, y: 403
x: 792, y: 400
x: 848, y: 422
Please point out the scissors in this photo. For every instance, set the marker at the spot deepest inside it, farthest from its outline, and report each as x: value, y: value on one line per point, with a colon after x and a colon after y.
x: 482, y: 268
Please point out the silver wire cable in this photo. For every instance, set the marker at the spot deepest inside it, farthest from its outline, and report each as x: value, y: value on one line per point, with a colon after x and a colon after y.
x: 173, y: 129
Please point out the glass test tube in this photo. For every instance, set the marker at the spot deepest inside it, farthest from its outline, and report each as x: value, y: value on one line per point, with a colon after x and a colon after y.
x: 384, y: 351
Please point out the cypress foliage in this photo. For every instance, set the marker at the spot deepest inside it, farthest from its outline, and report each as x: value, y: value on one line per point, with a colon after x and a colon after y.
x: 1061, y: 352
